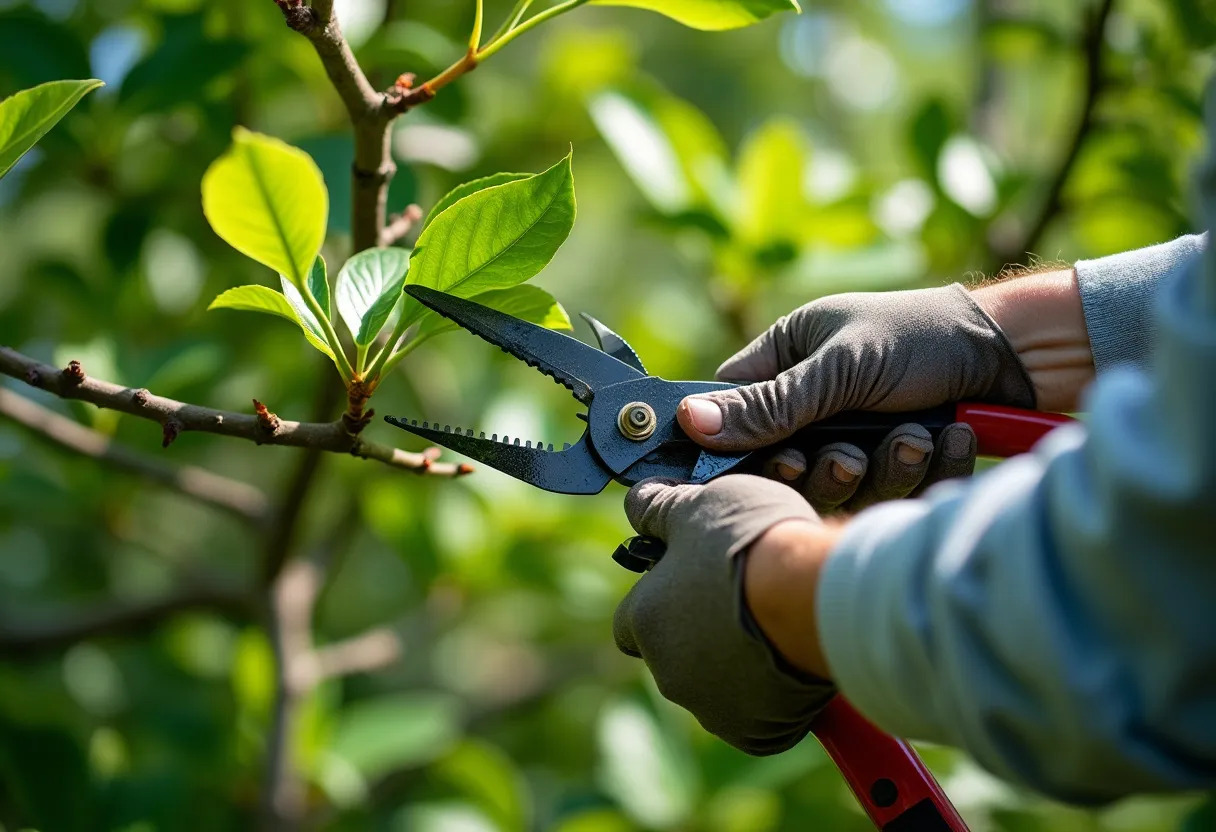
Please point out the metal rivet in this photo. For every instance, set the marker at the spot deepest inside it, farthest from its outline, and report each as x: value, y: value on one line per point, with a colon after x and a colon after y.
x: 637, y: 421
x: 884, y: 793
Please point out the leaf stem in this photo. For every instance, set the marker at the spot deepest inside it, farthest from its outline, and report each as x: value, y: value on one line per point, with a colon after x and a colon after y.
x: 400, y: 354
x: 386, y: 353
x: 462, y: 67
x: 515, y: 31
x: 475, y: 37
x: 331, y: 336
x: 517, y: 14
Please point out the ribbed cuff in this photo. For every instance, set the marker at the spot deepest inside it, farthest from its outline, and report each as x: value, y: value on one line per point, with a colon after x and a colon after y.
x: 1117, y: 296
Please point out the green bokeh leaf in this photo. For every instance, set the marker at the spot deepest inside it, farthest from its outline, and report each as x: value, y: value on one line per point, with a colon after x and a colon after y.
x: 641, y: 770
x: 772, y: 202
x: 263, y: 299
x: 368, y: 288
x: 928, y: 132
x: 487, y: 776
x: 37, y: 49
x: 711, y: 15
x: 189, y: 56
x: 529, y: 303
x: 461, y: 191
x: 669, y: 148
x: 267, y: 200
x: 26, y: 116
x: 381, y: 735
x: 496, y: 238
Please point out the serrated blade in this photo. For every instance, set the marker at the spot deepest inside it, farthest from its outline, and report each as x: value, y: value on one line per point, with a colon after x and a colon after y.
x: 573, y: 470
x: 614, y: 345
x: 581, y: 368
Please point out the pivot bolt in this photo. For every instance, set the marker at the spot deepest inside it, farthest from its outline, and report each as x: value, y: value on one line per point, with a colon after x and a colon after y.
x: 637, y: 421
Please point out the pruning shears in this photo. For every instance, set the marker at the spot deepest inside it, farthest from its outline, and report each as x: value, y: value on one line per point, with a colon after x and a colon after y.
x: 632, y: 435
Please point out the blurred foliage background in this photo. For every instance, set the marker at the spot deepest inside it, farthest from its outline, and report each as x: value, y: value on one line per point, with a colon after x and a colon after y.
x: 722, y: 179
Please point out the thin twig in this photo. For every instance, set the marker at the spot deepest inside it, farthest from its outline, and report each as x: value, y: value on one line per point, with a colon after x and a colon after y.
x: 400, y: 225
x: 239, y: 499
x: 177, y: 417
x: 1093, y: 44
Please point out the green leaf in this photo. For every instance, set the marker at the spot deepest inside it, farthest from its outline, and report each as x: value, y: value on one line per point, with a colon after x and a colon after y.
x: 461, y: 191
x: 380, y: 735
x: 711, y: 15
x: 267, y: 200
x: 497, y: 237
x: 313, y: 331
x: 26, y: 116
x: 529, y: 303
x: 318, y: 284
x: 368, y: 288
x: 772, y: 200
x: 266, y: 300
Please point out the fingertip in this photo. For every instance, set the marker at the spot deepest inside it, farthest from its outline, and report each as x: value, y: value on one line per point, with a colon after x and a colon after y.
x: 911, y: 445
x: 642, y: 496
x: 787, y: 465
x: 959, y: 441
x: 835, y: 476
x: 622, y: 628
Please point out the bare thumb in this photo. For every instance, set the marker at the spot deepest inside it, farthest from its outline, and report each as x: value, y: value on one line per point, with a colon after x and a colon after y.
x: 742, y: 419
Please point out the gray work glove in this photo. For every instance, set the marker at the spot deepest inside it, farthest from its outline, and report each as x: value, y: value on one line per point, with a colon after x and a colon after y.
x: 887, y: 351
x: 687, y: 617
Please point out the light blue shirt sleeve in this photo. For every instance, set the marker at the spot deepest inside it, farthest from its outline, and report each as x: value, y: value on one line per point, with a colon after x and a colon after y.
x: 1056, y: 616
x: 1117, y: 297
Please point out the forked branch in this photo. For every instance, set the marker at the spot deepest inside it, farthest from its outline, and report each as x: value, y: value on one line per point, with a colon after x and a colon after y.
x: 175, y: 418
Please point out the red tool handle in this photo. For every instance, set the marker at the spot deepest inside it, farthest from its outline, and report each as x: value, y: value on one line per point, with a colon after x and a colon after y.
x: 894, y: 787
x: 1007, y: 431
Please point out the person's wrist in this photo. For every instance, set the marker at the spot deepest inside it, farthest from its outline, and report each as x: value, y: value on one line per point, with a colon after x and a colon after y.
x: 1042, y: 317
x: 780, y: 579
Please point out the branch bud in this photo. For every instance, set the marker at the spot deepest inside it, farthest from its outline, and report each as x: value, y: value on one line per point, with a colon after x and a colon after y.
x: 73, y: 374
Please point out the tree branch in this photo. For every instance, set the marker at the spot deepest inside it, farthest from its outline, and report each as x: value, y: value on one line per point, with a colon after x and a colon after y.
x: 300, y: 668
x: 115, y: 620
x: 1093, y: 44
x: 243, y: 501
x: 177, y: 417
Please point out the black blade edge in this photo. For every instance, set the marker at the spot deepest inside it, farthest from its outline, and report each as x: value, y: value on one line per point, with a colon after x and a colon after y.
x: 570, y: 362
x: 573, y: 470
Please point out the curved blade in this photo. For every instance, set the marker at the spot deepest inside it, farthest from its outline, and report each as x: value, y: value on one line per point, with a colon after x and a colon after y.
x: 574, y: 470
x: 614, y: 345
x: 570, y: 362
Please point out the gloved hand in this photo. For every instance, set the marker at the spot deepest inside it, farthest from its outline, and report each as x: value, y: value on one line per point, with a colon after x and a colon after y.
x: 689, y: 620
x: 888, y: 352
